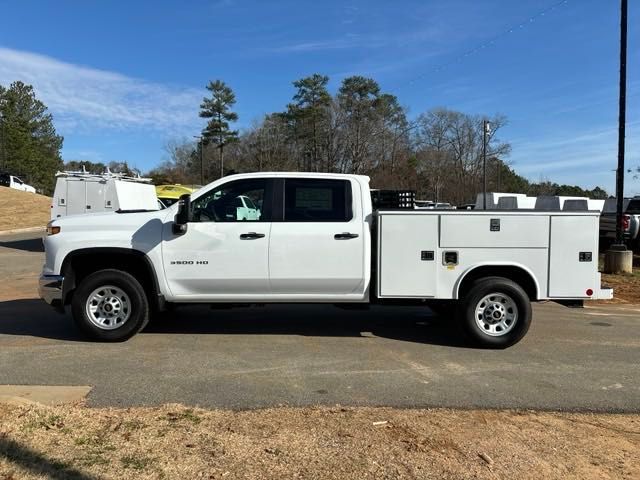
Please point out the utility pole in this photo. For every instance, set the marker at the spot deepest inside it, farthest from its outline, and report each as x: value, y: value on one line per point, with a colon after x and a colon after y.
x: 4, y: 142
x: 221, y: 146
x: 621, y: 123
x: 486, y: 128
x: 618, y: 258
x: 201, y: 142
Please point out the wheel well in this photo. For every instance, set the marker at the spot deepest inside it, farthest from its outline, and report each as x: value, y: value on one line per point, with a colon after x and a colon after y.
x: 517, y: 274
x: 80, y: 264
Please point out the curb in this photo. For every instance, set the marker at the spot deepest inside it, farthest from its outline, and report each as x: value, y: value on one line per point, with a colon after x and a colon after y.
x: 22, y: 230
x: 43, y: 394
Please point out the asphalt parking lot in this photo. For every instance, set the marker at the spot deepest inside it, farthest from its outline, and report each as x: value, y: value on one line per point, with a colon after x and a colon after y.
x: 572, y: 359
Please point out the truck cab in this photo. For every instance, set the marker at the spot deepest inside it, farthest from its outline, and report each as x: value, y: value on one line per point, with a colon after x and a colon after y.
x: 315, y: 238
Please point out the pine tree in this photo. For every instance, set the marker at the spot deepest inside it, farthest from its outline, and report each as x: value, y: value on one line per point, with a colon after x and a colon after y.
x: 309, y: 114
x: 29, y: 146
x: 358, y: 98
x: 218, y: 109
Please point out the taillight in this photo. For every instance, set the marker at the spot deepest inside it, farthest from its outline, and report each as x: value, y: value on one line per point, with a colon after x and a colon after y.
x: 626, y: 222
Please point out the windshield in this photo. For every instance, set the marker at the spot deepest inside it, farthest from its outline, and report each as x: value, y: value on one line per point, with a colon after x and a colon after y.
x: 248, y: 202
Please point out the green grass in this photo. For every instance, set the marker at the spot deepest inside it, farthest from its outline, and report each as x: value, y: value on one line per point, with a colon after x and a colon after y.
x: 135, y: 463
x: 186, y: 414
x: 43, y: 420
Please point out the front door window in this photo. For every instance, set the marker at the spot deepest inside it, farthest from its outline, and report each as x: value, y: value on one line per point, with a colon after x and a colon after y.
x: 239, y: 201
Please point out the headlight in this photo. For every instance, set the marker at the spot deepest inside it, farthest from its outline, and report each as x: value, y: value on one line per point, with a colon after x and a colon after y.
x: 51, y: 230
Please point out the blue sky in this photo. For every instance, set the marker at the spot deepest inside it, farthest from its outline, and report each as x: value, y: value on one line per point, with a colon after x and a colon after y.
x: 122, y: 78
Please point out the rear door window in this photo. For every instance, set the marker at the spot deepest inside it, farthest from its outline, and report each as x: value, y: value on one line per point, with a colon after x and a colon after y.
x: 317, y: 200
x: 634, y: 206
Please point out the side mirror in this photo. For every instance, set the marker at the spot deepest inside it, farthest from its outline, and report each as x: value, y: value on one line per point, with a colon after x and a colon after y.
x: 182, y: 217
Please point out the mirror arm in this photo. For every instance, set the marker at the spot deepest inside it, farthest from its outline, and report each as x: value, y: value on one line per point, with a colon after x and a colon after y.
x: 181, y: 219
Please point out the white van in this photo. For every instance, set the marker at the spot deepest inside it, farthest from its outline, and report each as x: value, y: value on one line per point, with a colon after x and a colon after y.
x: 82, y: 192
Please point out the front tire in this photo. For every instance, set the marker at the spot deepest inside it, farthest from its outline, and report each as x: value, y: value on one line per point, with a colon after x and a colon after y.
x: 495, y: 313
x: 110, y: 306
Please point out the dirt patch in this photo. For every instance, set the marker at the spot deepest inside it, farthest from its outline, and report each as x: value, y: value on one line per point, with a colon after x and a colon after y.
x: 328, y: 443
x: 23, y: 209
x: 626, y: 286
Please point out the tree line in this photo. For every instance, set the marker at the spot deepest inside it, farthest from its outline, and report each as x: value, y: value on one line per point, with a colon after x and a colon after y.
x: 360, y: 129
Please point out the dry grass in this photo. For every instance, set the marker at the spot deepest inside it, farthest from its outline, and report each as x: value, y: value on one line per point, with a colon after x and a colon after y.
x: 22, y: 209
x: 325, y: 443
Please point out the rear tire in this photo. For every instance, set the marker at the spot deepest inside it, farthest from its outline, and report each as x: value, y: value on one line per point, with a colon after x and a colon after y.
x: 110, y: 306
x: 495, y: 313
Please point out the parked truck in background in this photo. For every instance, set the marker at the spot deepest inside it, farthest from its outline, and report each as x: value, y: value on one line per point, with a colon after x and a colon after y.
x: 12, y: 181
x: 170, y: 194
x: 317, y: 238
x: 81, y: 192
x: 630, y: 222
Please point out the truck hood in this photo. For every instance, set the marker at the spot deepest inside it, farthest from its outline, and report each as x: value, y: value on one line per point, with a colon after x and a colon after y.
x: 137, y: 230
x: 110, y: 220
x: 140, y: 231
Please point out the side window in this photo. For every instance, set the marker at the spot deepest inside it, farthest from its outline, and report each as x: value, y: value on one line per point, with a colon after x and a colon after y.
x: 239, y: 201
x: 309, y: 200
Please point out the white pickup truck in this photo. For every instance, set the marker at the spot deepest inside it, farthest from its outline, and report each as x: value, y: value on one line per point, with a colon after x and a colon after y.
x: 12, y: 181
x: 316, y: 238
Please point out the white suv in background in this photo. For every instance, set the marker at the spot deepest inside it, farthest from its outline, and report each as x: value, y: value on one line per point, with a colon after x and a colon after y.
x: 12, y: 181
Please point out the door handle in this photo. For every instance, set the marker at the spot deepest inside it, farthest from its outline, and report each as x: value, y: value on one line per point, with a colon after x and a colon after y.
x: 251, y: 236
x: 345, y: 236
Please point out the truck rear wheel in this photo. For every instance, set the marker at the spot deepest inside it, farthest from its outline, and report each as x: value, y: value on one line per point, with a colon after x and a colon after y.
x: 110, y: 305
x: 495, y: 313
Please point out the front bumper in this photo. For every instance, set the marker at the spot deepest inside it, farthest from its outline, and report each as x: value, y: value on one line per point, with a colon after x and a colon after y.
x: 50, y: 289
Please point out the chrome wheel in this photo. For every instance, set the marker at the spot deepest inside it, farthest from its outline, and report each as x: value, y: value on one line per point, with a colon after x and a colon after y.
x: 496, y: 314
x: 108, y: 307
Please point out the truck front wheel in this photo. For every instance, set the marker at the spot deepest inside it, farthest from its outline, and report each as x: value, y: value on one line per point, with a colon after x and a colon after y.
x: 110, y: 305
x: 495, y: 313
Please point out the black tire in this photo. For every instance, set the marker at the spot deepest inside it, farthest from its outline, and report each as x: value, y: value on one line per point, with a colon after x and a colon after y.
x: 505, y: 290
x: 137, y: 305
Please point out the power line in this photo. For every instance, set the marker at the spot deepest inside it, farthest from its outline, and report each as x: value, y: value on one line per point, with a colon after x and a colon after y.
x: 487, y: 43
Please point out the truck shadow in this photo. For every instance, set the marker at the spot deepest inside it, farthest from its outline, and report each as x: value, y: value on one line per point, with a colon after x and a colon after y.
x: 27, y: 245
x: 33, y: 318
x: 38, y: 464
x: 397, y: 323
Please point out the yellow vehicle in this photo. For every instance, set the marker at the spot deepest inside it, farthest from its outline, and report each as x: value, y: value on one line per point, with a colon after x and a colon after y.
x: 170, y: 194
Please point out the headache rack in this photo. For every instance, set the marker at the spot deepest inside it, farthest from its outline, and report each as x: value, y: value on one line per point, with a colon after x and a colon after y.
x: 393, y: 199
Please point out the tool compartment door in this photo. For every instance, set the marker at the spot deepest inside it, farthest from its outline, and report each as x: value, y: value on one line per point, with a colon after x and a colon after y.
x: 573, y: 240
x: 407, y: 255
x: 76, y: 197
